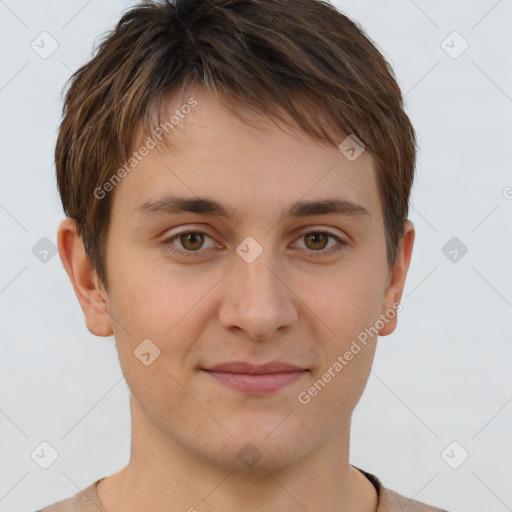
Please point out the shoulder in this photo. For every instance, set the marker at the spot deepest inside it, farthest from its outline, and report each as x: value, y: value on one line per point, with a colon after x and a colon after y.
x: 83, y: 501
x: 391, y: 501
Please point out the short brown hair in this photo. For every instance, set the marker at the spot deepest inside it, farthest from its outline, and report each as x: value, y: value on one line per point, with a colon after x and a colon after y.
x: 289, y: 59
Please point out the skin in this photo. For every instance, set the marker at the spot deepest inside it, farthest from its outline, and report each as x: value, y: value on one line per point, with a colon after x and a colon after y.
x: 208, y: 306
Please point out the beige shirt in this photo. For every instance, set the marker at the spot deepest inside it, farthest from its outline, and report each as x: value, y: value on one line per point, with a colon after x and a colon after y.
x: 389, y: 501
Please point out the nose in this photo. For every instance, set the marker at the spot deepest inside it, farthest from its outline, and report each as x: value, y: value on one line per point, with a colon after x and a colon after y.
x: 257, y: 299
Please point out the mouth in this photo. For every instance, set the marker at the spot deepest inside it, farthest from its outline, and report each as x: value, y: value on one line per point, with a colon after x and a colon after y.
x: 256, y: 379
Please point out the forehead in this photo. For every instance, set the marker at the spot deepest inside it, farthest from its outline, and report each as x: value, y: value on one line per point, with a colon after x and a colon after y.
x: 247, y: 167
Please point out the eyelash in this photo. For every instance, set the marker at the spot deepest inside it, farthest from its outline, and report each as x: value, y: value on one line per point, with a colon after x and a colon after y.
x: 315, y: 254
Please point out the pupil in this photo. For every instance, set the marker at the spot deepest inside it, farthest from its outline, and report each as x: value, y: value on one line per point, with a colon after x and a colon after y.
x: 192, y: 238
x: 316, y: 238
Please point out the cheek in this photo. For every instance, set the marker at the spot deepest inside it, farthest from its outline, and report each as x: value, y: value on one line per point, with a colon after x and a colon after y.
x: 350, y: 311
x: 147, y: 295
x: 334, y: 390
x: 166, y: 305
x: 347, y: 300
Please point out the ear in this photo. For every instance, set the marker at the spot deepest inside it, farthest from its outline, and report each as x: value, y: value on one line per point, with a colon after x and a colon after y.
x: 88, y: 289
x: 396, y: 282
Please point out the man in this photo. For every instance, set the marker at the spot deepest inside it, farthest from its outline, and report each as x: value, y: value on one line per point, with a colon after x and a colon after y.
x: 236, y: 177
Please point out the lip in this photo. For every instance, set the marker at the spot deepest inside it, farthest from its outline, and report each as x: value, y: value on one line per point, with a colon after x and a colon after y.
x: 248, y: 368
x: 256, y: 379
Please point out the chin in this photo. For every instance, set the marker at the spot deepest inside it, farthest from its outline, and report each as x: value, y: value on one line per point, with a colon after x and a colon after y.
x: 255, y: 457
x: 257, y: 450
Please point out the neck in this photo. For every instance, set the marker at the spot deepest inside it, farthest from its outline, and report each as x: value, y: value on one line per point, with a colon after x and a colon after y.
x: 164, y: 476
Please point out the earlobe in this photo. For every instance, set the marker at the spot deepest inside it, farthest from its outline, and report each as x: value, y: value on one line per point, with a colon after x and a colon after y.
x: 396, y: 282
x: 89, y: 291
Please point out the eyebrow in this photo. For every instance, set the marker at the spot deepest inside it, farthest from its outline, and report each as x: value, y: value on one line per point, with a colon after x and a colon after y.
x: 175, y: 204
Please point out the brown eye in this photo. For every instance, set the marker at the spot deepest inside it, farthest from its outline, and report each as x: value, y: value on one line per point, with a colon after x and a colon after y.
x: 320, y: 243
x: 317, y: 241
x: 191, y: 244
x: 192, y: 241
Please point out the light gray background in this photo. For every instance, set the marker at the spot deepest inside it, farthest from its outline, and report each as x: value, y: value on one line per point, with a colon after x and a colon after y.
x: 443, y: 376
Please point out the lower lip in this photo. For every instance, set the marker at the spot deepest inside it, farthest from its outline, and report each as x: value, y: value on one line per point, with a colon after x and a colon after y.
x: 257, y: 383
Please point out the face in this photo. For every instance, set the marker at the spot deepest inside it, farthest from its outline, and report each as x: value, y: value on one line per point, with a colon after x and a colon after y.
x: 253, y: 300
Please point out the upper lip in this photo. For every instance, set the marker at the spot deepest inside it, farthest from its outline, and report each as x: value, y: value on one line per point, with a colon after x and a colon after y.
x: 248, y: 368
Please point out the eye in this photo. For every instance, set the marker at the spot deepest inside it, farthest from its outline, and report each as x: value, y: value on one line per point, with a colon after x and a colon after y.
x: 318, y: 242
x: 190, y: 241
